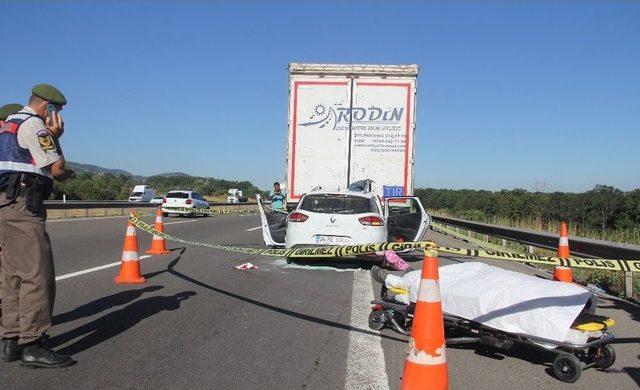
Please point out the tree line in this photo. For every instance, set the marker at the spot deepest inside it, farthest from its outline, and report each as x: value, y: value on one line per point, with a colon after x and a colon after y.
x: 601, y: 208
x: 107, y: 186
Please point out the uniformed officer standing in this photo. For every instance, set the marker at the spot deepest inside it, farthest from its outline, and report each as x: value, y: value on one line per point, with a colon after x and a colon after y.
x: 7, y: 110
x: 30, y: 157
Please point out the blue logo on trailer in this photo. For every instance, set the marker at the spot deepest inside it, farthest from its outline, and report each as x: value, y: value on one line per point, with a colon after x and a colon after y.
x: 323, y: 116
x: 392, y: 191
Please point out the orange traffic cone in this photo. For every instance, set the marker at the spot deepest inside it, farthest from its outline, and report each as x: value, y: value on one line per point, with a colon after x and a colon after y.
x: 130, y: 266
x: 157, y: 244
x: 563, y: 274
x: 426, y: 364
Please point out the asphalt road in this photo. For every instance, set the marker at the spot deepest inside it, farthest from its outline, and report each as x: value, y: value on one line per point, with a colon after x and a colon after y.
x: 200, y: 323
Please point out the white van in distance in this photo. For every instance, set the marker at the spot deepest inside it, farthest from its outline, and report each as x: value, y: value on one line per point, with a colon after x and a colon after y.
x: 141, y: 193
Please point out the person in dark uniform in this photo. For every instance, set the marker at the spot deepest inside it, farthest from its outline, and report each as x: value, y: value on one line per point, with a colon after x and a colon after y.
x: 30, y: 158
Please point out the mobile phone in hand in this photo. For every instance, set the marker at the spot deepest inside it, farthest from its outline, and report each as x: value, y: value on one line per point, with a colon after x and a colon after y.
x: 51, y: 110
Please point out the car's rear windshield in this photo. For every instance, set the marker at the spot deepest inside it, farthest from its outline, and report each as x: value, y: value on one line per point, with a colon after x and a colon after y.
x: 178, y: 195
x: 337, y: 204
x: 136, y: 194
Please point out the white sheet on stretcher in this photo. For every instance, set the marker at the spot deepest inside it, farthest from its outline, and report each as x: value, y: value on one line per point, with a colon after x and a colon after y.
x: 511, y: 301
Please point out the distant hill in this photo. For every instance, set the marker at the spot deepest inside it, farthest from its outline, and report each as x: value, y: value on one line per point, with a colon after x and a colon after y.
x: 90, y: 168
x: 173, y: 174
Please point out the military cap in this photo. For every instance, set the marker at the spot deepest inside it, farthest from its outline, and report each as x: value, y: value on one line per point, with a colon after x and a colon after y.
x: 50, y: 93
x: 9, y: 109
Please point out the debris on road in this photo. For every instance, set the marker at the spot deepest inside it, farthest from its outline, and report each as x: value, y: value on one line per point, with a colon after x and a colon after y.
x: 245, y: 266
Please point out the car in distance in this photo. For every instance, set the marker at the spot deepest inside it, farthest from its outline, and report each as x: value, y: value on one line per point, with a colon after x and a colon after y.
x: 345, y: 218
x: 175, y: 202
x: 157, y: 200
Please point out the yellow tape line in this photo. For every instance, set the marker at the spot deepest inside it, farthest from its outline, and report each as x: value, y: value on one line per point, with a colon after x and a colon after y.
x: 363, y: 249
x: 207, y: 211
x: 574, y: 262
x: 309, y: 252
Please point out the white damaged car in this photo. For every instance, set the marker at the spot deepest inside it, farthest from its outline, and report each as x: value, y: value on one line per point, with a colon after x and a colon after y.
x: 344, y: 218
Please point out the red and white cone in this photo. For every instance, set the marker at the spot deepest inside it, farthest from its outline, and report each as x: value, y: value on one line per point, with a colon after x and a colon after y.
x: 426, y: 364
x: 130, y: 266
x: 158, y: 244
x: 561, y: 273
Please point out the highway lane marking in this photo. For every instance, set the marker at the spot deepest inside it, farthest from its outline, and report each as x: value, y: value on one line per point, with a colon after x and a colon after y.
x: 85, y: 219
x: 94, y: 269
x: 254, y: 228
x: 366, y: 368
x: 173, y: 223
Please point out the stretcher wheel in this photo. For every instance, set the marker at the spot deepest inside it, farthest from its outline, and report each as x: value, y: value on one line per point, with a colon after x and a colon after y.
x: 377, y: 320
x: 567, y: 367
x: 607, y: 357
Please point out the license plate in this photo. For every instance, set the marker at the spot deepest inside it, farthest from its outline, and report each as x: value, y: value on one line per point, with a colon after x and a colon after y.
x: 332, y: 240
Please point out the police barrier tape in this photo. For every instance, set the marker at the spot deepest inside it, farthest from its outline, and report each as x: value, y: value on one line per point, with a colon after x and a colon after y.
x: 351, y: 250
x: 194, y: 210
x: 309, y: 252
x: 574, y: 262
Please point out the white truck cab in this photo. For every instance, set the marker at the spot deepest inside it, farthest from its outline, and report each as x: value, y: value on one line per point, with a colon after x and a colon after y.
x: 234, y: 195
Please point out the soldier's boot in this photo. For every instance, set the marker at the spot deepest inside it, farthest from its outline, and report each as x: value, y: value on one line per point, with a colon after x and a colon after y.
x: 38, y: 355
x: 11, y: 350
x: 378, y: 274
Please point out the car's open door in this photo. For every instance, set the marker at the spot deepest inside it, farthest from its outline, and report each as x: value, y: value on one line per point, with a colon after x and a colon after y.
x: 274, y: 225
x: 406, y: 219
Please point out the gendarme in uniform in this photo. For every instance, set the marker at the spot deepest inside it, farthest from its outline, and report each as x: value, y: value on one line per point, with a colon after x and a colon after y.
x: 27, y: 151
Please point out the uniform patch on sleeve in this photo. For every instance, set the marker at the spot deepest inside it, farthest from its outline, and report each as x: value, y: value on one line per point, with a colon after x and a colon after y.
x: 46, y: 141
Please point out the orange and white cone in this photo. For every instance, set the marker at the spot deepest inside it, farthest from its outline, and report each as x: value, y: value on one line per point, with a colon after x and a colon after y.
x: 561, y: 273
x: 426, y: 364
x: 157, y: 244
x: 130, y: 266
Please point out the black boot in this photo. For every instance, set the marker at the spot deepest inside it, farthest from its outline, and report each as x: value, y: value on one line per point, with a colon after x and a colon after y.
x: 11, y: 351
x: 38, y: 355
x: 378, y: 274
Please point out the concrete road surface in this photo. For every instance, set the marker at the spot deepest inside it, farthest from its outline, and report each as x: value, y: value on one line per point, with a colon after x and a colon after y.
x: 198, y: 323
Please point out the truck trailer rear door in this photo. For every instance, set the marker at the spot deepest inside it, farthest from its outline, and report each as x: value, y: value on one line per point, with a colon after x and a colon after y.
x: 318, y: 134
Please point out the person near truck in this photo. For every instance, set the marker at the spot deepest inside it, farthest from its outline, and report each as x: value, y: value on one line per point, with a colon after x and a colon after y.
x: 30, y: 158
x: 277, y: 197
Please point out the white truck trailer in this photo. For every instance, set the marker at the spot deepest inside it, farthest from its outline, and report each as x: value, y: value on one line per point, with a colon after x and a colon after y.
x: 348, y: 123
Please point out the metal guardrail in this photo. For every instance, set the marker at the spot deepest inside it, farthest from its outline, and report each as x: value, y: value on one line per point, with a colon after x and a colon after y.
x: 583, y: 247
x: 110, y: 204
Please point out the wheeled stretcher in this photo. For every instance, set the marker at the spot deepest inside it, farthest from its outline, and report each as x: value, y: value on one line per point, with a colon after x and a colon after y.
x: 571, y: 358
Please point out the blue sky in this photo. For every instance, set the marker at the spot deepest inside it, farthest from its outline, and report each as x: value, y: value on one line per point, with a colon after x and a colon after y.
x: 509, y: 93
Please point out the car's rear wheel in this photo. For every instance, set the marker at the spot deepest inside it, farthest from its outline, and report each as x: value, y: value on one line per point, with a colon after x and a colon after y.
x: 165, y: 215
